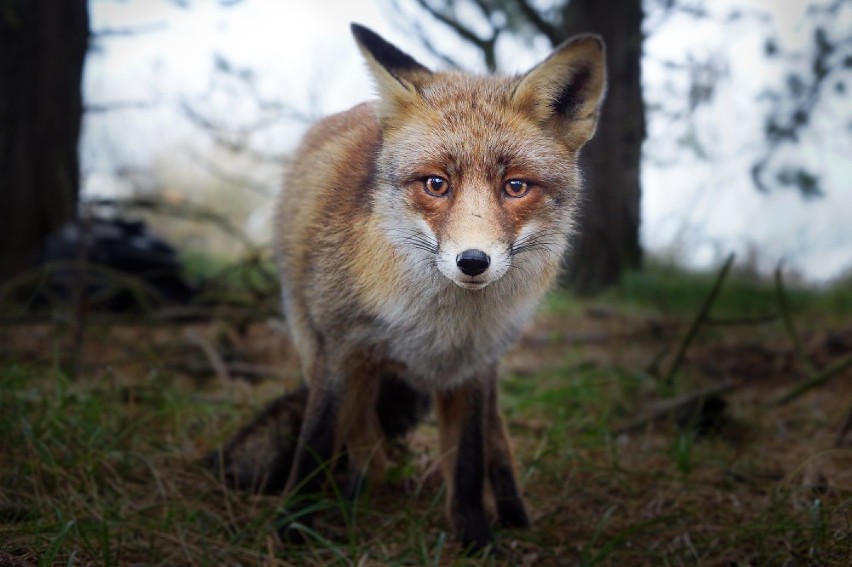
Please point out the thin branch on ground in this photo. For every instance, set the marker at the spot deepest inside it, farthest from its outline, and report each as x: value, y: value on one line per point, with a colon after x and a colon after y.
x: 216, y: 362
x: 787, y: 319
x: 699, y: 320
x: 664, y: 408
x: 816, y: 380
x: 840, y: 440
x: 742, y: 321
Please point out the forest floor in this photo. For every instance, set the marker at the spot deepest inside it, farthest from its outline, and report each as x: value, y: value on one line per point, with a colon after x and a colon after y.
x: 639, y: 442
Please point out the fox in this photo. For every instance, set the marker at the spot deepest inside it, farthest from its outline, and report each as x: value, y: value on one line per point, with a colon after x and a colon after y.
x: 415, y: 236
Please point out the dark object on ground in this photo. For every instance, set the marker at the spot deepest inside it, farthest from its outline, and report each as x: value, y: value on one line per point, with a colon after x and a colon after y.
x: 259, y: 457
x: 8, y: 560
x: 704, y: 416
x: 125, y: 266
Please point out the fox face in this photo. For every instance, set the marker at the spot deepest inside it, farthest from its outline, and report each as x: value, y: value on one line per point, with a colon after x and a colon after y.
x: 474, y: 194
x: 480, y: 173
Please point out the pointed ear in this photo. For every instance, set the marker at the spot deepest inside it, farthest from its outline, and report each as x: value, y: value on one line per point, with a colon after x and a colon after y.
x: 397, y: 74
x: 566, y: 90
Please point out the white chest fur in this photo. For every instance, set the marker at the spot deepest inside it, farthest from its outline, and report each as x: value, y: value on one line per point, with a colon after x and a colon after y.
x: 447, y: 335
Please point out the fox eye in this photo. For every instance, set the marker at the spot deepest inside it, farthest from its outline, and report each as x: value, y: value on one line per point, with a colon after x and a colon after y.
x: 516, y: 188
x: 436, y: 186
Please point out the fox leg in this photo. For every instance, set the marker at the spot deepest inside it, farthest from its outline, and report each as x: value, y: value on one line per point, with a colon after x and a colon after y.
x: 340, y: 411
x: 360, y: 429
x: 500, y: 463
x: 461, y: 422
x: 314, y: 450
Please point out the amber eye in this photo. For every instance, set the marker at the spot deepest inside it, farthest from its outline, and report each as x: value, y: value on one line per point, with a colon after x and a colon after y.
x: 437, y: 186
x: 516, y: 188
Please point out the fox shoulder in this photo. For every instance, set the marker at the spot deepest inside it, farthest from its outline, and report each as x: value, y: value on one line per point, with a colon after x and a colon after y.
x: 341, y: 134
x: 337, y: 152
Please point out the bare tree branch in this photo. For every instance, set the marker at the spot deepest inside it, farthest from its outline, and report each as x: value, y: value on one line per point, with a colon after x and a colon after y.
x: 130, y: 31
x: 119, y: 105
x: 235, y: 140
x: 534, y: 17
x: 485, y: 45
x: 189, y: 211
x: 242, y: 181
x: 698, y: 321
x: 462, y: 31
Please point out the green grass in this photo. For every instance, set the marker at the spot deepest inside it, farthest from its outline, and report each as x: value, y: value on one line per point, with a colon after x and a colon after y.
x: 674, y: 290
x: 89, y: 477
x: 97, y: 479
x: 107, y: 469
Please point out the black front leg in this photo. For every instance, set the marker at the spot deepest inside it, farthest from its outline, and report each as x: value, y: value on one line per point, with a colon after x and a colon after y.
x: 511, y: 511
x: 461, y: 423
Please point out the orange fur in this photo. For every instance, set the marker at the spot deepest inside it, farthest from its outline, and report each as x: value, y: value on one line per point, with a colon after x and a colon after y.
x: 381, y: 275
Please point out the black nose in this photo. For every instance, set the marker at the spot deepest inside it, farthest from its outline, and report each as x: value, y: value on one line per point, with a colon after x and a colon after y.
x: 473, y: 262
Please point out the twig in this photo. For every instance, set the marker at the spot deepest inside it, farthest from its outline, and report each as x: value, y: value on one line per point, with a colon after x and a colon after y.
x: 741, y: 321
x: 817, y: 379
x: 663, y: 408
x: 212, y: 355
x: 251, y: 373
x: 534, y: 16
x: 119, y: 105
x: 840, y: 441
x: 699, y: 320
x: 485, y: 45
x: 183, y: 210
x: 784, y: 308
x: 130, y: 31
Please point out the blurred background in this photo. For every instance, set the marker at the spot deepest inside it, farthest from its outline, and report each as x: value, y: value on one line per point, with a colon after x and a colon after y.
x: 728, y: 124
x: 682, y: 399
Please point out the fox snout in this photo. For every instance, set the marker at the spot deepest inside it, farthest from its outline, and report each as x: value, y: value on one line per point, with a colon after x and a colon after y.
x: 473, y: 262
x: 472, y: 265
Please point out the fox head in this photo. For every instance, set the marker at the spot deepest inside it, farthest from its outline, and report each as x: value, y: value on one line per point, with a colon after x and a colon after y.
x: 478, y: 176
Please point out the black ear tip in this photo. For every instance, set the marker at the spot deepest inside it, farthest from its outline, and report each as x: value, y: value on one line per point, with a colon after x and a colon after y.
x: 385, y: 53
x: 360, y: 32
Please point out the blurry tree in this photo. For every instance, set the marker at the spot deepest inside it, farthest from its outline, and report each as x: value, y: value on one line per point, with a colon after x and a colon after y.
x: 608, y: 239
x: 43, y: 46
x: 42, y: 49
x: 803, y: 100
x: 818, y: 76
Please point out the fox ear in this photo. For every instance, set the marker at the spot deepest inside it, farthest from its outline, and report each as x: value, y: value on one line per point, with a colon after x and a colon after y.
x: 397, y: 74
x: 566, y: 90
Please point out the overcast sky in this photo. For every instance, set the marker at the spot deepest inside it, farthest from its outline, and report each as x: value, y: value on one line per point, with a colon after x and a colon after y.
x: 302, y: 54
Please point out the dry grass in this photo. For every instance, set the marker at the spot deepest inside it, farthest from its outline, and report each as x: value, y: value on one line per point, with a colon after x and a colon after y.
x: 107, y: 469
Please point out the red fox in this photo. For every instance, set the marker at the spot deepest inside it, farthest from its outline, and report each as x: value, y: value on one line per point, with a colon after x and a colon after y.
x: 415, y: 236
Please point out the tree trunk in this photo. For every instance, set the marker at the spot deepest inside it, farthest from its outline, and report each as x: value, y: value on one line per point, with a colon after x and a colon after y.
x: 42, y: 50
x: 608, y: 239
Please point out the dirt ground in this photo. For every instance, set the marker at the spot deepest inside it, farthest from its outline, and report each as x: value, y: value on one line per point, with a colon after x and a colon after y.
x: 619, y: 464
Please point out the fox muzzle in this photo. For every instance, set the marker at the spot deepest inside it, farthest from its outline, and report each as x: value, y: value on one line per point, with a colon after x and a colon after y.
x: 473, y: 262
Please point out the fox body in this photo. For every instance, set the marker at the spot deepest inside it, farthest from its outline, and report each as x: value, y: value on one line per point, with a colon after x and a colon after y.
x: 416, y: 235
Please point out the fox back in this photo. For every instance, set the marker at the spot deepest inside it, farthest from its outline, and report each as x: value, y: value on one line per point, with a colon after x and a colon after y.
x: 416, y: 235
